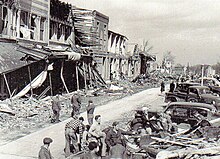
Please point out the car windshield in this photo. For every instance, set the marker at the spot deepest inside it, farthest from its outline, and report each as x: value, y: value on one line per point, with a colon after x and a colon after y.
x: 204, y: 91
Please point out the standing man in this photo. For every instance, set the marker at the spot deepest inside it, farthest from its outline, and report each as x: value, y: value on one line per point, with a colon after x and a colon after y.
x: 56, y: 107
x: 162, y: 87
x: 76, y: 103
x: 95, y: 131
x: 90, y: 112
x: 44, y: 152
x: 73, y: 130
x: 172, y: 86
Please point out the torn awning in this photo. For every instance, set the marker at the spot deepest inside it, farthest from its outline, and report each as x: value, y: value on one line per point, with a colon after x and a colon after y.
x: 10, y: 57
x: 71, y: 55
x: 35, y: 83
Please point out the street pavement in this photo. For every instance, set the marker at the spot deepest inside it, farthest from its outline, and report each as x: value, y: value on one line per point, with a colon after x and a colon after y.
x: 28, y: 147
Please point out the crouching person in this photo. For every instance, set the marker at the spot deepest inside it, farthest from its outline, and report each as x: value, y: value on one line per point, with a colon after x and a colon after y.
x: 73, y: 130
x: 95, y: 131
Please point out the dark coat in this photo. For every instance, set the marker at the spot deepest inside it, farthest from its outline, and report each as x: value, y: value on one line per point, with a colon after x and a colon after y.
x: 44, y: 153
x: 172, y: 87
x: 112, y: 137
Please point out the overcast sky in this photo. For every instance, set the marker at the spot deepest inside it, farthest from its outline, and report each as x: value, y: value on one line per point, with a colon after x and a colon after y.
x: 190, y: 29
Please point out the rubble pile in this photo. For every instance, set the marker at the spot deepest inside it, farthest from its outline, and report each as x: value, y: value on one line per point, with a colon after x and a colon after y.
x: 152, y: 80
x: 201, y: 143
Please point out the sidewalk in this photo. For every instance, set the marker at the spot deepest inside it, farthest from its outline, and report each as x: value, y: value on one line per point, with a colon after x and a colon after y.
x: 28, y: 147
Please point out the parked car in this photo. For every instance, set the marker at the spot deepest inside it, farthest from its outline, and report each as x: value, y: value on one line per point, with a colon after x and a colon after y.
x: 180, y: 91
x: 201, y: 94
x: 212, y: 83
x: 184, y: 112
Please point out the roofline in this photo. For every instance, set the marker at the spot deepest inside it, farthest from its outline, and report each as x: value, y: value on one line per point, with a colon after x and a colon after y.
x: 100, y: 14
x: 117, y: 34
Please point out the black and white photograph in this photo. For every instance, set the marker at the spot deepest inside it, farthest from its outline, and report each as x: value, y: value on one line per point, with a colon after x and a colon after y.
x: 109, y: 79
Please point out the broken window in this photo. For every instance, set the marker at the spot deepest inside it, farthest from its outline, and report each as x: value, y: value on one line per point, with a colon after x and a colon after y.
x: 59, y: 33
x: 24, y: 18
x: 33, y: 26
x: 67, y: 32
x: 42, y: 28
x: 53, y: 30
x: 4, y: 20
x: 24, y: 30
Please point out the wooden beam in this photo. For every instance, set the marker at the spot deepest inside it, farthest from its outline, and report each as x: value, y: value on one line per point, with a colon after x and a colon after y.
x: 7, y: 85
x: 77, y: 77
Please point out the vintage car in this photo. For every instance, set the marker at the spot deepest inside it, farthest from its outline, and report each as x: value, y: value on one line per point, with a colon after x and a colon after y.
x: 184, y: 112
x: 184, y: 86
x: 212, y: 83
x: 196, y: 93
x: 180, y: 92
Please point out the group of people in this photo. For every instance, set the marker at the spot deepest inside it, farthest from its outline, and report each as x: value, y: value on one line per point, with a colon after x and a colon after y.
x: 92, y: 138
x: 172, y: 86
x: 75, y: 130
x: 157, y: 122
x: 98, y: 143
x: 56, y: 106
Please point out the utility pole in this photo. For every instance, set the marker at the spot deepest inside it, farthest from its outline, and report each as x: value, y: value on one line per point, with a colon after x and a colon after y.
x: 202, y: 74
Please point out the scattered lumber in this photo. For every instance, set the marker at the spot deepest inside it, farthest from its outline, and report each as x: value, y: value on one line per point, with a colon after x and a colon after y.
x: 188, y: 152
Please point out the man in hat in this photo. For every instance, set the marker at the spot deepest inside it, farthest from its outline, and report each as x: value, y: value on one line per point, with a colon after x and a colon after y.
x: 90, y: 110
x: 44, y: 152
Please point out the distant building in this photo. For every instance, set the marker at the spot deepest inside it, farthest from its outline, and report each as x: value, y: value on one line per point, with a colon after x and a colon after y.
x: 146, y: 60
x: 179, y: 70
x: 208, y: 71
x: 108, y: 47
x: 24, y: 20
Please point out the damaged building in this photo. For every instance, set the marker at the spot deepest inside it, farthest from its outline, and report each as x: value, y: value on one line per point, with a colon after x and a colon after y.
x: 38, y: 55
x: 58, y: 48
x: 108, y: 47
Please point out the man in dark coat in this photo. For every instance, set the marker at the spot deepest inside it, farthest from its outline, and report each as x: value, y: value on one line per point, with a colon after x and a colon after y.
x: 172, y: 86
x: 90, y: 112
x: 44, y: 152
x: 114, y: 136
x: 162, y: 87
